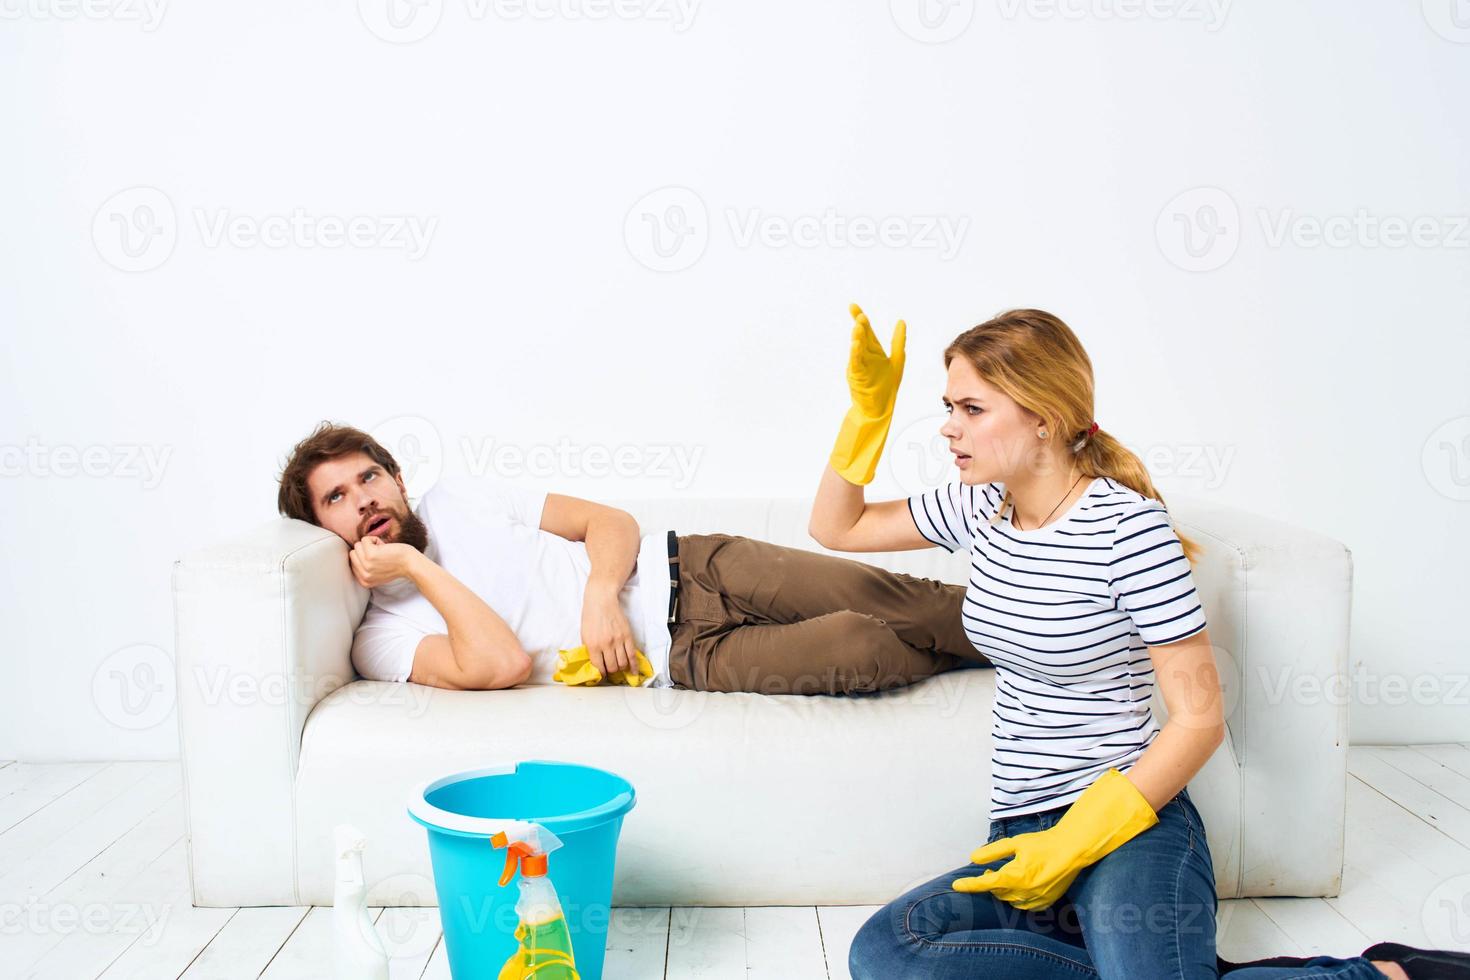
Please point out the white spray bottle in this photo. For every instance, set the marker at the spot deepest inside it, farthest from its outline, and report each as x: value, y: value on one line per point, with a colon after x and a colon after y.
x: 357, y: 950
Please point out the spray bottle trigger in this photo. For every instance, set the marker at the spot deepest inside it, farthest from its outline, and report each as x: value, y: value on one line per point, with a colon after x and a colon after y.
x: 514, y: 851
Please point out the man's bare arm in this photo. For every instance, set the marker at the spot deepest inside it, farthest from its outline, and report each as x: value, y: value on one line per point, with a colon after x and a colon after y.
x: 612, y: 547
x: 480, y: 652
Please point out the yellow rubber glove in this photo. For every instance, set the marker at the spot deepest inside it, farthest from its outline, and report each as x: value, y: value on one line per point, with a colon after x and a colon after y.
x: 1107, y: 815
x: 574, y: 667
x: 872, y: 379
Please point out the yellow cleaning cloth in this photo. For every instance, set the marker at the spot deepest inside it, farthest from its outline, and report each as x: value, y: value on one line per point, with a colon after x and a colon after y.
x: 574, y: 668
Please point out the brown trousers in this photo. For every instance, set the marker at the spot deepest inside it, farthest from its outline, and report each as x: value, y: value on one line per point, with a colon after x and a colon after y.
x: 755, y: 616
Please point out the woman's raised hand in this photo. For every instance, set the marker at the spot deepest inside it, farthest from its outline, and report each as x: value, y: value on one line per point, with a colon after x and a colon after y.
x: 872, y: 375
x: 872, y: 379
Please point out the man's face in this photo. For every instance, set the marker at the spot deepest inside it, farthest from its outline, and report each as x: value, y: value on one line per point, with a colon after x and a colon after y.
x: 353, y: 497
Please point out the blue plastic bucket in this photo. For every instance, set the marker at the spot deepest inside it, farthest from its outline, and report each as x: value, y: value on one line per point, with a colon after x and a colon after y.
x: 581, y: 805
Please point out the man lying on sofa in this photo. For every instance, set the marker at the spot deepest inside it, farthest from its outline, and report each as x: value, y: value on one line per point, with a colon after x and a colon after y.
x: 483, y: 584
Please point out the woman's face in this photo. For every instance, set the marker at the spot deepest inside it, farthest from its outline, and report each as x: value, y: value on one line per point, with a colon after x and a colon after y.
x: 993, y: 438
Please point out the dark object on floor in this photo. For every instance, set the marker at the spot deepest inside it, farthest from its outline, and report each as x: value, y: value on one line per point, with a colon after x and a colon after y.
x: 1423, y: 964
x: 1225, y: 966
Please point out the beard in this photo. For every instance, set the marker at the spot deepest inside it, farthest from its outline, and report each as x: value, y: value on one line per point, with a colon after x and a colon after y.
x: 412, y: 531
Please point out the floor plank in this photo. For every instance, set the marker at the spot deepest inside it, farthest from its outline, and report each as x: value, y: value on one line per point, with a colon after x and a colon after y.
x: 637, y: 939
x: 1315, y: 925
x: 1376, y: 912
x: 1399, y: 871
x: 1424, y: 802
x: 62, y: 816
x: 1387, y: 825
x: 409, y: 935
x: 783, y: 942
x: 308, y: 950
x: 169, y: 949
x: 14, y: 776
x: 40, y: 870
x: 1244, y: 932
x: 438, y: 968
x: 94, y: 897
x: 839, y: 923
x: 706, y: 944
x: 249, y: 941
x: 26, y: 789
x: 141, y: 909
x: 1437, y: 776
x: 1456, y: 757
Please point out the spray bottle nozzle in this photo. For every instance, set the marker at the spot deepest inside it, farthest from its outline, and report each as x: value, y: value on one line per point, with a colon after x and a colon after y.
x: 526, y: 843
x: 517, y: 851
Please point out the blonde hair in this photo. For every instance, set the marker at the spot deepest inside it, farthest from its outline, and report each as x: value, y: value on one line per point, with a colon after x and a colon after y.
x: 1038, y: 361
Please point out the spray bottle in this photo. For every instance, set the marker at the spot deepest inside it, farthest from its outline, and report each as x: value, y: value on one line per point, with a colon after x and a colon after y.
x: 357, y: 952
x: 545, y: 952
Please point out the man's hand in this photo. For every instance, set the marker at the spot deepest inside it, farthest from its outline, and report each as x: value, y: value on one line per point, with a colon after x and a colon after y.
x: 375, y: 563
x: 606, y: 632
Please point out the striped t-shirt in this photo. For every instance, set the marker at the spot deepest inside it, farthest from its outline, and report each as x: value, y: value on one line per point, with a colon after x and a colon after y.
x: 1066, y: 612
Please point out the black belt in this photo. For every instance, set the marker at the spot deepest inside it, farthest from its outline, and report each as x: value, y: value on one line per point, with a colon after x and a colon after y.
x: 673, y: 577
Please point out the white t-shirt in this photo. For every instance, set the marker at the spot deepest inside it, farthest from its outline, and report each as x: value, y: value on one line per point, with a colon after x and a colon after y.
x: 486, y: 533
x: 1066, y: 612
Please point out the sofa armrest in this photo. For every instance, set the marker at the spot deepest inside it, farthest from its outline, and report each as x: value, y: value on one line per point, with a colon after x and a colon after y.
x: 1280, y: 599
x: 263, y: 631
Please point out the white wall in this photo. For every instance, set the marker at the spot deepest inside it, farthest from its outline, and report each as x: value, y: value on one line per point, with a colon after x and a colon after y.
x: 1324, y: 384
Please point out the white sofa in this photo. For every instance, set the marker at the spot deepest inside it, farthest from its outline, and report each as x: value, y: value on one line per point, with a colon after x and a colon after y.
x: 743, y: 799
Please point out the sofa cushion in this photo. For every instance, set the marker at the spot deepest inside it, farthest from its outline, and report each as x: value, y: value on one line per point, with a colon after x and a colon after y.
x: 810, y: 782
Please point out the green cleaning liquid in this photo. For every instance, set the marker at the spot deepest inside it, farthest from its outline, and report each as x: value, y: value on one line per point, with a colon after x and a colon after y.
x: 546, y: 948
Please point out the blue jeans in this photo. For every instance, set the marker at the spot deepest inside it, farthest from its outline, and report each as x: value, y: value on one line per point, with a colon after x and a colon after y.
x: 1146, y: 911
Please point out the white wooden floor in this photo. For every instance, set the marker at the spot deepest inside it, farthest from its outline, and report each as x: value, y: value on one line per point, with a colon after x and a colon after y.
x: 92, y: 884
